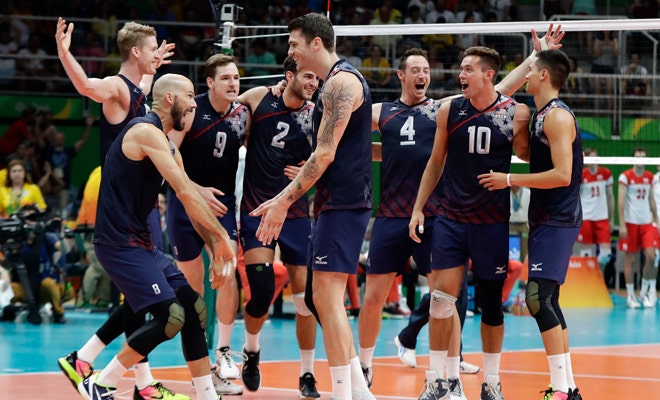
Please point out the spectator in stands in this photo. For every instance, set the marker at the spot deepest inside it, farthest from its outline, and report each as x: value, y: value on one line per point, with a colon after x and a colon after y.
x: 376, y: 69
x: 575, y: 89
x: 469, y: 6
x: 395, y: 14
x: 7, y: 64
x: 31, y: 63
x: 19, y: 191
x: 18, y: 132
x: 414, y: 16
x: 440, y: 11
x: 384, y: 18
x: 91, y: 48
x: 638, y: 87
x: 501, y: 8
x: 465, y: 40
x: 345, y: 50
x: 425, y: 7
x: 260, y: 55
x: 583, y: 7
x: 605, y: 53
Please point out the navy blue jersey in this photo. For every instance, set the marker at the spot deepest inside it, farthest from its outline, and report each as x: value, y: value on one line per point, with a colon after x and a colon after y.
x: 346, y: 184
x: 137, y: 108
x: 558, y: 206
x: 210, y: 148
x: 407, y: 134
x: 279, y: 136
x: 127, y: 193
x: 478, y: 142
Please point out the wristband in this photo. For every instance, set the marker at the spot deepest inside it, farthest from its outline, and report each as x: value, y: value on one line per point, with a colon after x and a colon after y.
x: 544, y: 44
x: 508, y: 180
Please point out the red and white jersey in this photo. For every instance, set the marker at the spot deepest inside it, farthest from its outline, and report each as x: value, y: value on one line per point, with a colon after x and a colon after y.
x: 593, y: 193
x: 636, y: 209
x: 656, y: 191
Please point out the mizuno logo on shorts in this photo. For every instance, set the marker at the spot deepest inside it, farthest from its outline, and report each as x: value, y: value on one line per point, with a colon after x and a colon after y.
x: 536, y: 267
x: 321, y: 260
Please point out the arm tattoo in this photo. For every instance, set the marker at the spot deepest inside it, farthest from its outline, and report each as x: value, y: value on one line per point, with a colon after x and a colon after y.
x: 338, y: 106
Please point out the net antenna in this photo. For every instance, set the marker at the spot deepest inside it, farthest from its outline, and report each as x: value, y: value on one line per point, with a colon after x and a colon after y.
x: 225, y: 16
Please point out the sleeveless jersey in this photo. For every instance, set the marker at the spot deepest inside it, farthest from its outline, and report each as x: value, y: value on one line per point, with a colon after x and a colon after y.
x: 137, y: 108
x: 636, y: 209
x: 346, y: 184
x: 127, y: 193
x: 593, y: 193
x: 210, y: 148
x: 279, y: 136
x: 557, y: 206
x: 407, y: 134
x: 478, y: 141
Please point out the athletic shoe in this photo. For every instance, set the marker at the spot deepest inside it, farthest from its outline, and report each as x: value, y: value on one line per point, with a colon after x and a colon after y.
x: 307, y: 386
x: 467, y: 368
x: 250, y: 372
x: 90, y: 390
x: 228, y: 368
x: 406, y: 355
x: 395, y: 311
x: 435, y: 388
x: 368, y: 376
x: 552, y: 394
x: 632, y: 302
x: 222, y: 385
x: 75, y: 370
x: 490, y: 392
x: 456, y: 389
x: 574, y: 394
x: 649, y: 300
x: 157, y: 391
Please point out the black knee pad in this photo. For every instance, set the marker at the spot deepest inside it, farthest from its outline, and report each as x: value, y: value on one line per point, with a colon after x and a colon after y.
x: 555, y: 306
x: 490, y: 300
x: 193, y: 333
x: 539, y: 303
x: 261, y: 279
x: 309, y: 295
x: 168, y: 320
x: 114, y: 325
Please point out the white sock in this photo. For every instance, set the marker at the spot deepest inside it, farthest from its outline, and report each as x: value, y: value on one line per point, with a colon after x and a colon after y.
x: 492, y: 365
x: 630, y: 289
x: 366, y: 356
x: 557, y: 365
x: 112, y: 373
x: 569, y: 371
x: 341, y: 382
x: 143, y: 376
x: 453, y: 367
x: 306, y: 361
x: 224, y: 334
x: 438, y: 362
x: 204, y: 388
x: 91, y: 349
x: 357, y: 377
x: 252, y: 342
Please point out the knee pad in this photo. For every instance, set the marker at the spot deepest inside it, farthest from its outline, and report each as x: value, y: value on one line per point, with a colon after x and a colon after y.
x: 193, y: 339
x: 442, y: 305
x: 490, y: 300
x: 168, y: 320
x: 301, y: 307
x: 261, y: 279
x: 539, y: 303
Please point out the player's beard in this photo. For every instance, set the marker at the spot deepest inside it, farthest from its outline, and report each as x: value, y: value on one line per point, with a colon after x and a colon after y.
x: 177, y: 116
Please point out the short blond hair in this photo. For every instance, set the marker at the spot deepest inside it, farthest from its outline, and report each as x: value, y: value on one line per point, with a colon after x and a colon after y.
x: 132, y: 35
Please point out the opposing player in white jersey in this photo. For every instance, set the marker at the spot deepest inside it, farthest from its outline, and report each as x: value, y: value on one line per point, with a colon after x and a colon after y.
x: 637, y: 209
x: 597, y: 198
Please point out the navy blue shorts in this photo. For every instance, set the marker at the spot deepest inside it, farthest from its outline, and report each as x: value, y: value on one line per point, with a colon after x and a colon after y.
x: 144, y: 277
x: 550, y: 249
x: 293, y: 239
x: 186, y: 242
x: 391, y: 246
x: 487, y: 245
x: 336, y: 240
x: 155, y: 228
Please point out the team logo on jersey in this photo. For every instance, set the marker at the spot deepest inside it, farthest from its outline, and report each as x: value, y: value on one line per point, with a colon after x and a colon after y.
x: 536, y: 267
x: 206, y: 117
x: 500, y: 270
x: 462, y: 113
x: 500, y: 113
x: 321, y: 260
x: 394, y: 108
x: 273, y: 104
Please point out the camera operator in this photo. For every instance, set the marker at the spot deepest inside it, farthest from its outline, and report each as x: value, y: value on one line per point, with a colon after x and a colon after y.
x: 35, y: 254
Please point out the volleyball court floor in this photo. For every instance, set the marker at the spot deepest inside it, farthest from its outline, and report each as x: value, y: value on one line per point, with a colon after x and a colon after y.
x: 615, y: 352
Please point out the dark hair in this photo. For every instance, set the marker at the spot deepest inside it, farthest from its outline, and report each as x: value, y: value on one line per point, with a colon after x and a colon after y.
x: 290, y: 65
x: 217, y: 60
x: 640, y: 150
x: 415, y: 51
x: 314, y: 25
x: 488, y: 58
x: 557, y: 64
